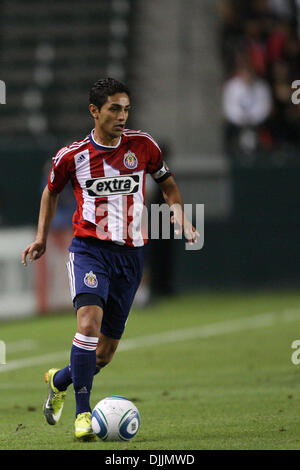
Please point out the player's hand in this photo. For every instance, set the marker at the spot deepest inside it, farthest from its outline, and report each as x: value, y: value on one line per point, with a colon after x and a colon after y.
x: 183, y: 225
x: 34, y: 251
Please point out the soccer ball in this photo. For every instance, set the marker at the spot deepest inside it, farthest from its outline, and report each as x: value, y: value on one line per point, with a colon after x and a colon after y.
x: 115, y: 418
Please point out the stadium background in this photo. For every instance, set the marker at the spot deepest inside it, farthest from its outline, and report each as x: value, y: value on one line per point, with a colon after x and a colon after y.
x: 177, y: 59
x: 207, y: 355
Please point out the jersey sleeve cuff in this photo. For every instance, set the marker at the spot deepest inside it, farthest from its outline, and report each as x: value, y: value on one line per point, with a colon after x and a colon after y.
x: 53, y: 190
x: 162, y: 173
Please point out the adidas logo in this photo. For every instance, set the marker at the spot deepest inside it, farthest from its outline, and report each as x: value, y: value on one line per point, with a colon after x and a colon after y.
x: 80, y: 159
x: 83, y: 390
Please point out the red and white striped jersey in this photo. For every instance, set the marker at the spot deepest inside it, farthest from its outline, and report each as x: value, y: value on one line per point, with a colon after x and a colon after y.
x: 109, y: 184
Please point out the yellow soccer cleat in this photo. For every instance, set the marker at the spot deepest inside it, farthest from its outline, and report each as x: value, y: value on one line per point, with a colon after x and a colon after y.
x: 54, y: 403
x: 83, y: 427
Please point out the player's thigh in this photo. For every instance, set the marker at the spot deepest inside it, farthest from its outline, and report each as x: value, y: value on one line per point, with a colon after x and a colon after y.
x: 117, y: 309
x: 122, y: 290
x: 88, y: 274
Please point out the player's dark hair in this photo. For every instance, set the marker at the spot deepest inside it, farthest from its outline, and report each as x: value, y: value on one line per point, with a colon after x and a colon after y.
x: 104, y: 88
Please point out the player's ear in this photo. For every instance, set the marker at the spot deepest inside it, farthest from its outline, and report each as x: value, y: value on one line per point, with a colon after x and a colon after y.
x: 94, y: 110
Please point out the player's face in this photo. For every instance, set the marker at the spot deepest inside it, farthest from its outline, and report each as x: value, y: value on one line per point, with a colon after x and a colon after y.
x: 110, y: 120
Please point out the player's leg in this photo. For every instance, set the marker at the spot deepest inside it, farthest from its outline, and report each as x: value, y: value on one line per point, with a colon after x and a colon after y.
x: 58, y: 380
x: 83, y: 365
x: 105, y: 351
x: 127, y: 272
x: 83, y: 354
x: 62, y: 377
x: 88, y: 286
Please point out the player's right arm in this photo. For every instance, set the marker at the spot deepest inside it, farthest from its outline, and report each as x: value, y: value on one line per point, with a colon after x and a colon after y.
x: 57, y: 179
x: 47, y: 211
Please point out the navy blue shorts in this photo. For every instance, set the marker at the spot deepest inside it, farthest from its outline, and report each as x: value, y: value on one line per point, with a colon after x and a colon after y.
x: 110, y: 271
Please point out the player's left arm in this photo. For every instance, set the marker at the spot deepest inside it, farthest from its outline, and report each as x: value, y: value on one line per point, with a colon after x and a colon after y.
x: 162, y: 175
x: 173, y: 198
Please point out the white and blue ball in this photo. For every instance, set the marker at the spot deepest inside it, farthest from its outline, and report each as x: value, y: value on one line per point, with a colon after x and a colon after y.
x: 115, y: 418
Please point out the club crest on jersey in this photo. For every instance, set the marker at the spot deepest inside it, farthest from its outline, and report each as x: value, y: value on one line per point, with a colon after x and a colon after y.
x: 113, y: 185
x: 91, y: 280
x: 130, y: 160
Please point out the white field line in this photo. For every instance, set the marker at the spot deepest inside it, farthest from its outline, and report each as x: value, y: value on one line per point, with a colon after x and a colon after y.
x: 205, y: 331
x: 22, y: 345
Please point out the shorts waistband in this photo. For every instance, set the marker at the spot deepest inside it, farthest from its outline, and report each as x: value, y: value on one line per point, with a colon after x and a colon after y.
x: 108, y: 243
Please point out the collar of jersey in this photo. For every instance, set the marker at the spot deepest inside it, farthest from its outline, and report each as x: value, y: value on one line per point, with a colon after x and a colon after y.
x: 102, y: 147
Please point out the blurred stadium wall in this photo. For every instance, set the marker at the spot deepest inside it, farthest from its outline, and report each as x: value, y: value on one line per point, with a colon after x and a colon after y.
x: 176, y: 57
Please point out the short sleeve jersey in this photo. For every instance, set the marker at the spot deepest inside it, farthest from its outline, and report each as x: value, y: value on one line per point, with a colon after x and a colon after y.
x: 109, y: 185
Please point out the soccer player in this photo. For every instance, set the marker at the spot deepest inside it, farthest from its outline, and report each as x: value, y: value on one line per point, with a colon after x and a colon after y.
x: 107, y: 170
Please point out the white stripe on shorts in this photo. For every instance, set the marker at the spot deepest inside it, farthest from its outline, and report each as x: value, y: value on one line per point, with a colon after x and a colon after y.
x: 70, y: 267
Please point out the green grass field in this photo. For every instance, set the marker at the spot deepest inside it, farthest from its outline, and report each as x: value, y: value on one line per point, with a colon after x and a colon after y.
x: 209, y: 371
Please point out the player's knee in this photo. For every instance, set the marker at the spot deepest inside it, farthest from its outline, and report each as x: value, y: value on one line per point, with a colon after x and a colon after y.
x: 88, y: 321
